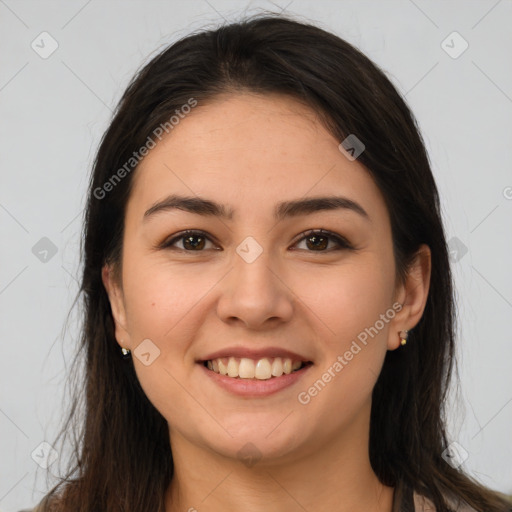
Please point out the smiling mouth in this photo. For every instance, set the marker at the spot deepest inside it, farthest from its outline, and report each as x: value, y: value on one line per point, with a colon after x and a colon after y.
x: 257, y: 369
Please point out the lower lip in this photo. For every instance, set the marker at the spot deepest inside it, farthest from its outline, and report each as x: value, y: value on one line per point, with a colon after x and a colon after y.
x: 255, y: 387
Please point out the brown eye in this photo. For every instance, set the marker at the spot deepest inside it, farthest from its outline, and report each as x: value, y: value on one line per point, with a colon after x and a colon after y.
x: 192, y: 241
x: 318, y: 241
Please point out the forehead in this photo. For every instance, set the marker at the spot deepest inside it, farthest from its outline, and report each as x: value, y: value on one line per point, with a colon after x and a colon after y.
x: 247, y: 150
x: 246, y: 128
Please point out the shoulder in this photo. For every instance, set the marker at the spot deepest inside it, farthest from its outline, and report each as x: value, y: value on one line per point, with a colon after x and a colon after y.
x: 423, y: 504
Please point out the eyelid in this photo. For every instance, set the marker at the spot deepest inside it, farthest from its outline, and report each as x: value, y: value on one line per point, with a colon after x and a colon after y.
x: 342, y: 242
x: 171, y: 240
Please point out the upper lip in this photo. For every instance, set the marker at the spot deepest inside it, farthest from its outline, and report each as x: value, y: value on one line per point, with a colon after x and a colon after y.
x: 251, y: 353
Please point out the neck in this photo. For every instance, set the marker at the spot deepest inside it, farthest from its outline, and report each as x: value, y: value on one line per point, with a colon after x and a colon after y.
x: 334, y: 475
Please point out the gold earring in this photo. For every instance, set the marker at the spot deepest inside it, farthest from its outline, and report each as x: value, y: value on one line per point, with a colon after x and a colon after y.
x: 125, y: 353
x: 403, y: 336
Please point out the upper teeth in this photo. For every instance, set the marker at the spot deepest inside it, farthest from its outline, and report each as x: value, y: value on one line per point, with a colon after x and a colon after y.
x: 246, y: 368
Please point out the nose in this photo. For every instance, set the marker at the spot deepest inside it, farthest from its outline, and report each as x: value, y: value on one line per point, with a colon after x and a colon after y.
x: 256, y: 293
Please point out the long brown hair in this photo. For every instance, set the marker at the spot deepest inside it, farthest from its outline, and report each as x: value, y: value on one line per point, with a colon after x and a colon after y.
x: 121, y: 458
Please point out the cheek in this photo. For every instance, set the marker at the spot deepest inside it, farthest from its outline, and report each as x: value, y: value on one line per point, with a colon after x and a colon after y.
x: 159, y: 296
x: 350, y: 306
x: 348, y: 300
x: 160, y: 306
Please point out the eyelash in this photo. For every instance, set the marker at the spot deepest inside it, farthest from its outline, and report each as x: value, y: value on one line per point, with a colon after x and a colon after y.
x: 342, y: 242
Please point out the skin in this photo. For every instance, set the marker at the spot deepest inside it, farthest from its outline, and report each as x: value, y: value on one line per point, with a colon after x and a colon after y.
x: 250, y: 152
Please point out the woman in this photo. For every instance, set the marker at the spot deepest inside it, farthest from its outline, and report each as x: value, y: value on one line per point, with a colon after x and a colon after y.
x: 269, y: 317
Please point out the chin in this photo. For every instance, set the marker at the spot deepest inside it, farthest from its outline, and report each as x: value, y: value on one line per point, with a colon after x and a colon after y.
x: 261, y: 443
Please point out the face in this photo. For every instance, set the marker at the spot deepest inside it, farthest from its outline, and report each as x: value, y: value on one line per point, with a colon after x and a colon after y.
x: 255, y: 285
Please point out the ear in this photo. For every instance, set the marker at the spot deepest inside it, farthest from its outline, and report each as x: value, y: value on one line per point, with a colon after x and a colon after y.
x: 116, y: 298
x: 412, y: 294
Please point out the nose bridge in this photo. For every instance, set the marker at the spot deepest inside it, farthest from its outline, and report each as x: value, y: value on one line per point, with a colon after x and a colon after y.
x: 255, y: 291
x: 253, y: 267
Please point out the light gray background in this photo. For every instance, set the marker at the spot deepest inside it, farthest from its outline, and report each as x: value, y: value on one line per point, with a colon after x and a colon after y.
x: 54, y: 111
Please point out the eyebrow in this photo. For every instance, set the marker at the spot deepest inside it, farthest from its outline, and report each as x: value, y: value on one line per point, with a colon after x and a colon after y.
x: 207, y: 207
